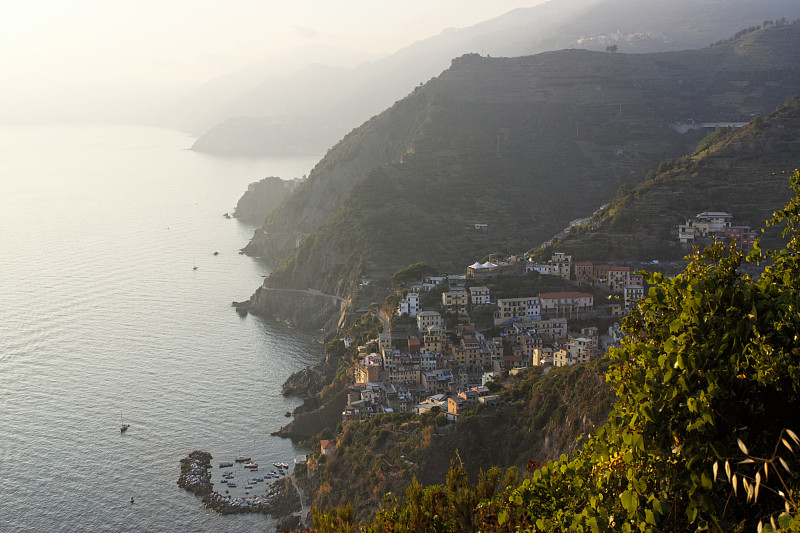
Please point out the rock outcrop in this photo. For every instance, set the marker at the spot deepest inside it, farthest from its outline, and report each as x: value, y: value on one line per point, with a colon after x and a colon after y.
x: 262, y: 197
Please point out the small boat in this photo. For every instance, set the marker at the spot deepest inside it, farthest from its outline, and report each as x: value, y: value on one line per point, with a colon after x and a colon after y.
x: 232, y: 485
x: 124, y: 428
x: 242, y: 459
x: 225, y: 465
x: 251, y: 465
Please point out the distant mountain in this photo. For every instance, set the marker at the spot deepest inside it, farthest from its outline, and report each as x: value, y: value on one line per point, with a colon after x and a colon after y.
x: 308, y: 111
x: 742, y: 172
x: 522, y: 144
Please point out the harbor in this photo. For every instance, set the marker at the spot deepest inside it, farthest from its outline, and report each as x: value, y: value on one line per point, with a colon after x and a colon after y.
x: 242, y: 488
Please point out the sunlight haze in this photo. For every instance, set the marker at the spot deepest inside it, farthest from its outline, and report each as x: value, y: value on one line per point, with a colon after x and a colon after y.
x: 85, y: 60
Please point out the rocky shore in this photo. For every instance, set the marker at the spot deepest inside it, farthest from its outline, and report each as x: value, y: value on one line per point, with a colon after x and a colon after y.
x: 282, y: 501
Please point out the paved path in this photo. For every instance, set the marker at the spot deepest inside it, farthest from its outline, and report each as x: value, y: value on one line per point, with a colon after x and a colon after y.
x: 312, y: 292
x: 302, y: 502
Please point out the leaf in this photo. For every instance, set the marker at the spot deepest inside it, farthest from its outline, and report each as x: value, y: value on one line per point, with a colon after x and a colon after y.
x: 502, y: 516
x: 758, y: 486
x: 742, y: 446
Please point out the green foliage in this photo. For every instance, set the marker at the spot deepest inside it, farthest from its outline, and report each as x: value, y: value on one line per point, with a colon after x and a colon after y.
x: 412, y: 273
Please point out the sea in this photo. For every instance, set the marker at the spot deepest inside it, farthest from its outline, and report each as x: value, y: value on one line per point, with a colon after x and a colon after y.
x: 117, y: 273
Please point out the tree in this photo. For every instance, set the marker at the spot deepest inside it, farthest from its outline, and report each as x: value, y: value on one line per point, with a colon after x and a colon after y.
x: 611, y: 48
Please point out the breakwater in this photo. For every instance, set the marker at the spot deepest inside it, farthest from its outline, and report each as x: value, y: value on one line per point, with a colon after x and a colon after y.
x: 280, y: 501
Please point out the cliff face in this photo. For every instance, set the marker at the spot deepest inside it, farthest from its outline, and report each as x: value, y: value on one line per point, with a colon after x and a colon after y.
x: 261, y: 198
x: 524, y: 145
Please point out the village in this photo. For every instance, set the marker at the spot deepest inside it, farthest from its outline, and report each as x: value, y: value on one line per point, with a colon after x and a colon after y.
x: 443, y: 357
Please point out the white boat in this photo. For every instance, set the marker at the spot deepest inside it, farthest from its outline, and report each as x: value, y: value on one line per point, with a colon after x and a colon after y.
x: 242, y: 459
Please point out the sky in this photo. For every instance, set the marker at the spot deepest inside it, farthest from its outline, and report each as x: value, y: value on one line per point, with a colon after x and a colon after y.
x: 65, y: 59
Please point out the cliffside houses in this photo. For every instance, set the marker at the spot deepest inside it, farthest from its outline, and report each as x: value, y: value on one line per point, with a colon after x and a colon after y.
x: 442, y: 366
x: 719, y: 224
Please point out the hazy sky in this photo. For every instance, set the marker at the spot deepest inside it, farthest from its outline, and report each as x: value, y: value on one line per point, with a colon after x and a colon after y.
x: 65, y: 52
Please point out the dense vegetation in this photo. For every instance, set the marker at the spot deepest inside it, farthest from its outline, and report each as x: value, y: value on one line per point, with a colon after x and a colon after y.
x: 702, y: 436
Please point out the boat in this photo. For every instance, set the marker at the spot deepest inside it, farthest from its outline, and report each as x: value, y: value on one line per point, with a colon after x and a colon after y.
x: 232, y: 485
x: 124, y: 428
x: 225, y: 465
x: 242, y: 459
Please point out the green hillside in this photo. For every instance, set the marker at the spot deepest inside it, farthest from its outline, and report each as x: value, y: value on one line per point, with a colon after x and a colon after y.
x: 736, y: 171
x: 522, y: 144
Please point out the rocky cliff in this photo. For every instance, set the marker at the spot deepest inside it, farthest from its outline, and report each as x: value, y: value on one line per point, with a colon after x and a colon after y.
x: 261, y: 198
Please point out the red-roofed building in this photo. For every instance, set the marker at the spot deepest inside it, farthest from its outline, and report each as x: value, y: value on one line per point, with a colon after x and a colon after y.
x: 327, y: 446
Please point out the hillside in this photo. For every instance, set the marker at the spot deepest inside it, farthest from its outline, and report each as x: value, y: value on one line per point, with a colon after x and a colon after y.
x: 703, y: 435
x: 737, y: 171
x: 522, y: 144
x: 290, y: 114
x: 262, y: 197
x: 540, y: 418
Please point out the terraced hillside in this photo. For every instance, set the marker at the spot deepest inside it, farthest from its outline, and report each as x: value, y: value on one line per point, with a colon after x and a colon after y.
x: 742, y: 172
x: 523, y: 144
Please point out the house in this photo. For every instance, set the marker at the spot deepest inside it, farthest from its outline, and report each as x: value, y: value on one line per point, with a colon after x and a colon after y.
x: 704, y: 224
x: 479, y: 295
x: 561, y: 264
x: 409, y: 305
x: 527, y: 308
x: 327, y: 446
x: 426, y: 319
x: 456, y: 405
x: 468, y: 352
x: 565, y: 303
x: 364, y: 374
x: 455, y: 301
x: 437, y: 381
x: 617, y: 278
x: 745, y: 237
x: 584, y: 272
x: 631, y: 295
x: 433, y: 339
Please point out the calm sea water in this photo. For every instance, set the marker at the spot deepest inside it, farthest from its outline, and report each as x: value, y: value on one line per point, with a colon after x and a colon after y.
x: 104, y: 319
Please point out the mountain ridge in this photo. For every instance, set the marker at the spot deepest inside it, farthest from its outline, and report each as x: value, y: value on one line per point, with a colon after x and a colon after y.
x: 505, y: 137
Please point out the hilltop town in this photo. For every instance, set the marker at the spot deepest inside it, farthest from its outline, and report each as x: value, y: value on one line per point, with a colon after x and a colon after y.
x: 447, y: 338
